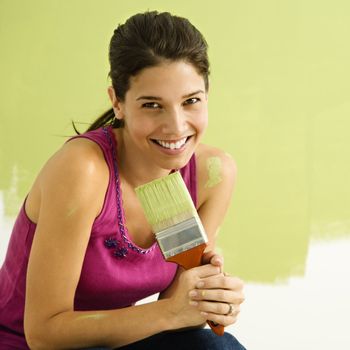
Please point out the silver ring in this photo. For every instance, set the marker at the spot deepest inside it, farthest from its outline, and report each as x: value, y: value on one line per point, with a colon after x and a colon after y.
x: 230, y: 311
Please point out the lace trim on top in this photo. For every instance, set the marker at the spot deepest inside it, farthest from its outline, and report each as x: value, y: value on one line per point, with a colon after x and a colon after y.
x: 121, y: 247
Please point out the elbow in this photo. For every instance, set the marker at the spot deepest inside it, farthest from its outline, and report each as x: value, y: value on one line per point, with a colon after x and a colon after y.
x: 42, y: 331
x: 36, y: 336
x: 35, y: 340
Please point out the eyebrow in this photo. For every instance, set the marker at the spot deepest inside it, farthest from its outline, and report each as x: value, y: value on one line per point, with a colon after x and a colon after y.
x: 156, y: 98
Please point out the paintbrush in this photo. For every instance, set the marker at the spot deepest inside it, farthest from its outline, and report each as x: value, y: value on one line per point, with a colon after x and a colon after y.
x: 170, y: 211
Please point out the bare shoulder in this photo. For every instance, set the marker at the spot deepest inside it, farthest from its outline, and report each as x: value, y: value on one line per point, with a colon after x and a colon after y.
x: 77, y: 171
x: 216, y: 171
x: 80, y: 159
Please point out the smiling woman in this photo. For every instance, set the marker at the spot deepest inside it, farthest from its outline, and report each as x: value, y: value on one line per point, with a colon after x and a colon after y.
x: 164, y: 114
x: 81, y: 252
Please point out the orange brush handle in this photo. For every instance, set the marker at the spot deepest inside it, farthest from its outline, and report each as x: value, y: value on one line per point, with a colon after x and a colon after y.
x: 193, y: 258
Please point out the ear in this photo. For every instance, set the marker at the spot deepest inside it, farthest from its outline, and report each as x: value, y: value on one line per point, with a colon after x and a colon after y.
x: 116, y: 103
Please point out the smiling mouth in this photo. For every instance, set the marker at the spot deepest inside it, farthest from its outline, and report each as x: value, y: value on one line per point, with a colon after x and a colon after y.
x: 171, y: 144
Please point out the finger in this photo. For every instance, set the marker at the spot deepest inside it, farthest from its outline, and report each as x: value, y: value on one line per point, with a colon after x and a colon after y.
x: 217, y: 295
x: 205, y: 271
x: 213, y: 258
x: 220, y: 319
x: 221, y: 281
x: 207, y: 256
x: 217, y: 260
x: 217, y: 308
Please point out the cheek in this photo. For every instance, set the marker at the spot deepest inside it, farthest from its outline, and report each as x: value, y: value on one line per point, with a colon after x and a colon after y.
x: 202, y: 120
x: 141, y: 127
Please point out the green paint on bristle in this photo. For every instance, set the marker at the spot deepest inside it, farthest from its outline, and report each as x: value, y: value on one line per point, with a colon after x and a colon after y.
x: 166, y: 201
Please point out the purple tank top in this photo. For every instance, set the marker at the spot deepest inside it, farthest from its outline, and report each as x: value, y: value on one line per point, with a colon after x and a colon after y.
x: 116, y: 273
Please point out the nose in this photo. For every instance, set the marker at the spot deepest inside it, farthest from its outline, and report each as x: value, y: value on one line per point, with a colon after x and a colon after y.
x: 174, y: 123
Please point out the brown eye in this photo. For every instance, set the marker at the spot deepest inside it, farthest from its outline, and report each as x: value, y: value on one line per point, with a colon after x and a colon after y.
x: 192, y: 101
x: 151, y: 105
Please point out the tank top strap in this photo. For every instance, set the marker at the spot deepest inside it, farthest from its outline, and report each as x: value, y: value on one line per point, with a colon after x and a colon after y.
x: 98, y: 136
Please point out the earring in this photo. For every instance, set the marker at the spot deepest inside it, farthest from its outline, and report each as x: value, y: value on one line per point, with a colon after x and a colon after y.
x: 113, y: 121
x: 117, y: 123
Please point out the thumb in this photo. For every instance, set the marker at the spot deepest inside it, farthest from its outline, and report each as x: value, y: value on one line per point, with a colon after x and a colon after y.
x: 217, y: 260
x: 213, y: 258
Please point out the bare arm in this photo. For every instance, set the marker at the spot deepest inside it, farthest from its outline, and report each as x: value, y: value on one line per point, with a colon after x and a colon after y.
x: 216, y: 178
x: 72, y: 187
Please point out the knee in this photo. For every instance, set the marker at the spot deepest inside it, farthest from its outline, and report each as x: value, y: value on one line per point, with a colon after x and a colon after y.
x: 231, y: 343
x: 207, y: 340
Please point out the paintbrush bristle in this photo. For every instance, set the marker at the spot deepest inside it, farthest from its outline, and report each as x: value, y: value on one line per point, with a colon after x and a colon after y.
x: 166, y: 201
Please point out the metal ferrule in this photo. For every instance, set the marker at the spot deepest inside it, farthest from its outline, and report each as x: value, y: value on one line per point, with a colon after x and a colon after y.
x: 181, y: 237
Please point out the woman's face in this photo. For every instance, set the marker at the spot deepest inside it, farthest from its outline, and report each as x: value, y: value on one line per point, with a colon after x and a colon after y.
x: 165, y: 114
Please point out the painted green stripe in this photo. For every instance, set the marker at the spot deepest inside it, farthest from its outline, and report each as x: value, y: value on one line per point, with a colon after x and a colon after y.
x: 166, y: 201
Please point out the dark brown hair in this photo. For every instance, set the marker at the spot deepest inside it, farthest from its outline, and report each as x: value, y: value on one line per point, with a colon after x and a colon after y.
x: 145, y: 40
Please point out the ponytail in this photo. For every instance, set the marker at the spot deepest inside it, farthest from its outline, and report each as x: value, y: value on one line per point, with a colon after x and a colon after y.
x: 107, y: 118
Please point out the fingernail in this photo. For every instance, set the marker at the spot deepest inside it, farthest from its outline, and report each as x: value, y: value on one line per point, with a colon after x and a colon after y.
x: 192, y: 293
x: 200, y: 284
x: 218, y: 260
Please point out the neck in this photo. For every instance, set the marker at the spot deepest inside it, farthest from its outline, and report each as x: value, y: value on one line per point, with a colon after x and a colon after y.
x: 133, y: 168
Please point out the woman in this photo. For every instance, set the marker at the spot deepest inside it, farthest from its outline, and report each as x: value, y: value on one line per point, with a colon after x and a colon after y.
x: 82, y: 253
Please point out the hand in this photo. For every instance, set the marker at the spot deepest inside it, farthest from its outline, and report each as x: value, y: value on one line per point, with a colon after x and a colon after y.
x: 218, y: 297
x: 184, y: 313
x: 211, y: 257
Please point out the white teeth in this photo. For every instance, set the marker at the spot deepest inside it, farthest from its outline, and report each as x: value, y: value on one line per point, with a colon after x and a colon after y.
x: 172, y: 145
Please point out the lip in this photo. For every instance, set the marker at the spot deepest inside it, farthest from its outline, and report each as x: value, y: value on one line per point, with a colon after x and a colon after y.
x: 169, y: 151
x: 173, y: 141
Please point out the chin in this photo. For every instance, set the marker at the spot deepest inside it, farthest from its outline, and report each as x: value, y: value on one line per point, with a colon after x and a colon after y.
x: 175, y: 164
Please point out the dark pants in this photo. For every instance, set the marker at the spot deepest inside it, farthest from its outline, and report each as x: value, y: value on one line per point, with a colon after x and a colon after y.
x: 198, y: 339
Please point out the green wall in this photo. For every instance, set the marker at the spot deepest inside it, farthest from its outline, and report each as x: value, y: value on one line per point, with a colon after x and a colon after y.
x: 279, y: 103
